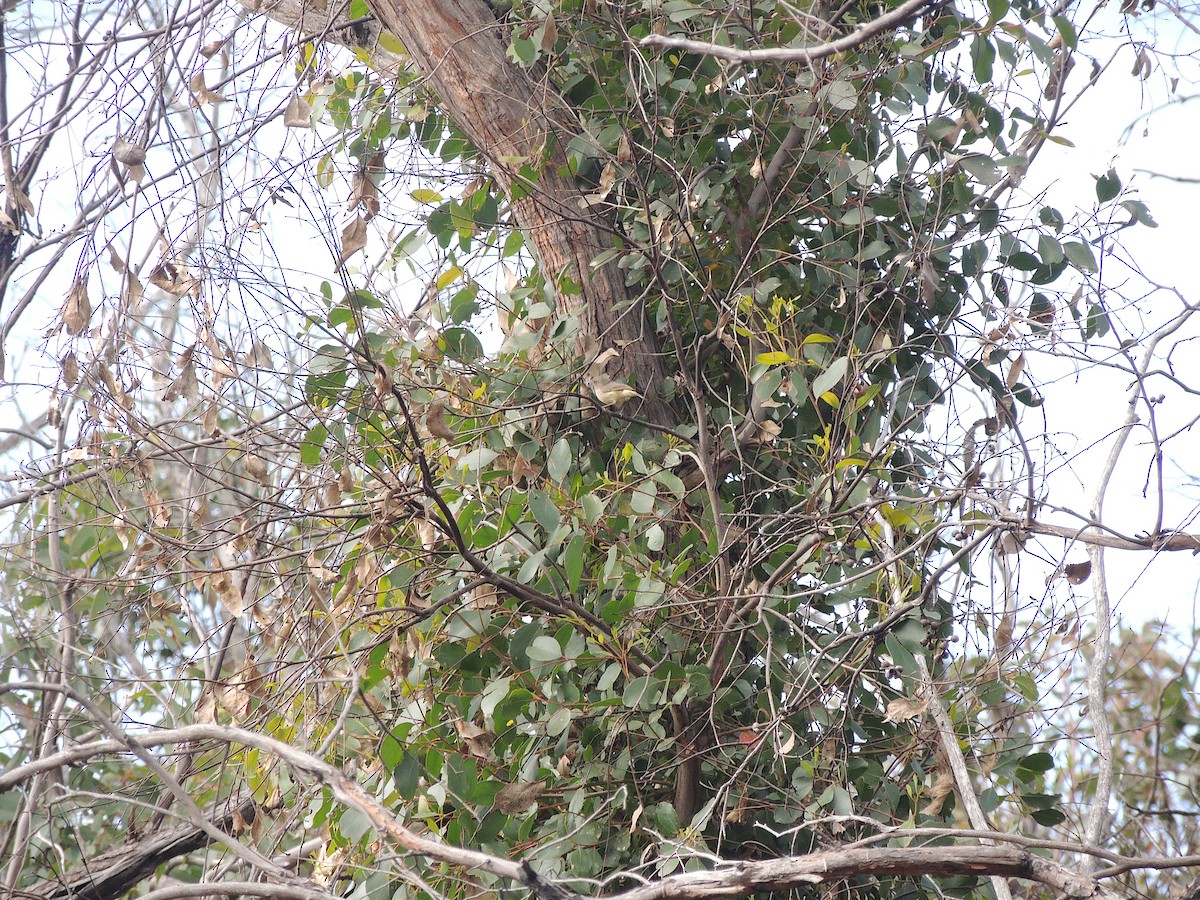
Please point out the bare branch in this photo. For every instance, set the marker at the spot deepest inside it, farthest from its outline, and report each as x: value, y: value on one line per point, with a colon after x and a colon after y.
x: 856, y: 38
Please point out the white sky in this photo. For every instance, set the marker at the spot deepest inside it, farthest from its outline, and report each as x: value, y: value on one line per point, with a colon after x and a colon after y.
x: 1083, y: 407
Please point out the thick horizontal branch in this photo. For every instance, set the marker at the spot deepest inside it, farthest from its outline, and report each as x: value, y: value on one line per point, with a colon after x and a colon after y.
x: 116, y: 873
x: 1098, y: 536
x: 789, y: 872
x: 1167, y: 540
x: 856, y: 38
x: 728, y: 881
x: 235, y: 889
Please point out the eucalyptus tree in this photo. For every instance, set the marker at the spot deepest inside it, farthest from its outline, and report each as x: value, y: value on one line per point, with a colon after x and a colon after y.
x: 571, y: 447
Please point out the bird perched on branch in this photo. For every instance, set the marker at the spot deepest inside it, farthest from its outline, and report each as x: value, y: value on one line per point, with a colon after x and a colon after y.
x: 609, y: 391
x: 603, y: 387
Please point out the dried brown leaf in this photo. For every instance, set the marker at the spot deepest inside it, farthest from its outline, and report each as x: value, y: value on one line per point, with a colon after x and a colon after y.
x: 185, y: 384
x: 354, y: 238
x: 486, y: 596
x: 234, y: 700
x: 128, y: 153
x: 902, y: 709
x: 318, y: 570
x: 523, y: 470
x: 1078, y: 573
x: 513, y: 799
x: 256, y: 467
x: 133, y: 291
x: 228, y: 593
x: 435, y: 421
x: 478, y: 740
x: 172, y: 278
x: 114, y: 260
x: 943, y: 784
x: 624, y: 149
x: 1014, y: 371
x: 77, y: 311
x: 206, y: 710
x: 298, y: 113
x: 212, y: 48
x: 70, y: 369
x: 383, y: 382
x: 20, y: 198
x: 364, y: 195
x: 201, y: 93
x: 549, y: 34
x: 929, y: 283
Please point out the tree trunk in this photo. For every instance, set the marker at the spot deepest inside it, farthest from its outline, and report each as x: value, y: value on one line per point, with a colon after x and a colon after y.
x: 512, y: 119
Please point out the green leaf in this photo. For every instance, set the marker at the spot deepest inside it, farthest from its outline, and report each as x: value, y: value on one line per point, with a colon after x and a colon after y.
x: 406, y: 775
x: 974, y: 255
x: 461, y: 344
x: 314, y: 441
x: 831, y: 377
x: 1051, y: 217
x: 773, y: 358
x: 532, y: 567
x: 448, y: 277
x: 573, y: 562
x: 494, y: 694
x: 1140, y: 212
x: 983, y: 57
x: 1037, y: 762
x: 1048, y: 817
x: 1080, y: 255
x: 1067, y: 29
x: 642, y: 501
x: 642, y: 693
x: 1097, y: 322
x: 354, y: 825
x: 1049, y: 249
x: 1108, y: 186
x: 561, y: 459
x: 672, y: 483
x: 544, y: 649
x: 391, y: 753
x: 544, y: 510
x: 982, y: 168
x: 655, y: 537
x: 559, y: 722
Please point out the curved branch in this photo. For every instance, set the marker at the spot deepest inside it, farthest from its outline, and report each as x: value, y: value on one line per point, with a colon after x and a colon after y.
x: 856, y: 38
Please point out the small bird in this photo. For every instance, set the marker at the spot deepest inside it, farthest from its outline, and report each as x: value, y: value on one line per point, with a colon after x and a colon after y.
x: 609, y: 391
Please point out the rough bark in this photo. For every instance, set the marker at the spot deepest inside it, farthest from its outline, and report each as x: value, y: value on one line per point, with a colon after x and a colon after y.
x: 121, y: 870
x: 513, y: 119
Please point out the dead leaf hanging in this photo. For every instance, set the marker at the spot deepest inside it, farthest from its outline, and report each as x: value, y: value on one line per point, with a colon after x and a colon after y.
x: 298, y: 113
x: 201, y: 93
x: 77, y: 311
x: 128, y: 153
x: 354, y: 238
x: 174, y: 279
x: 435, y: 421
